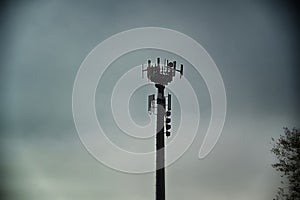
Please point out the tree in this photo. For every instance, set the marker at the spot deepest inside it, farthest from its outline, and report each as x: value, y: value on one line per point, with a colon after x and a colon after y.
x: 287, y: 151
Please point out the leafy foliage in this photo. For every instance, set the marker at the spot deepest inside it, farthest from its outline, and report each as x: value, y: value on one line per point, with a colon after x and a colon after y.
x: 287, y: 151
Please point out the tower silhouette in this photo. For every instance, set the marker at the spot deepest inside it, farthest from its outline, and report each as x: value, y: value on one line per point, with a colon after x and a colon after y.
x: 161, y: 75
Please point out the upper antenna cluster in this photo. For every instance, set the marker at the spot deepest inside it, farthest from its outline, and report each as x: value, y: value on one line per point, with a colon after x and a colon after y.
x: 161, y: 73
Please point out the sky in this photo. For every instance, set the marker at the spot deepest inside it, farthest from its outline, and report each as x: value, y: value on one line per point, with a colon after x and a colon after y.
x: 253, y: 43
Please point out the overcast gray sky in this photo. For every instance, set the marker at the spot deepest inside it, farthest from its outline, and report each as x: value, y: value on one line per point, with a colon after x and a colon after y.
x: 253, y: 43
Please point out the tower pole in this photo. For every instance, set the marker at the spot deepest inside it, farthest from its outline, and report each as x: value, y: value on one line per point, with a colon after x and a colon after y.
x: 161, y: 75
x: 160, y: 143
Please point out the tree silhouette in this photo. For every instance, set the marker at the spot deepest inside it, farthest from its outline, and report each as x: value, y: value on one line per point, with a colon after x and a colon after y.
x: 287, y: 151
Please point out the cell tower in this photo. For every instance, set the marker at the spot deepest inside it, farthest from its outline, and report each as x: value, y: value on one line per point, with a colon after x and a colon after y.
x: 161, y: 75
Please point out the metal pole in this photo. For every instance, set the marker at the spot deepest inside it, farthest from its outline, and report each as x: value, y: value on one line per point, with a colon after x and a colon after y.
x: 160, y: 143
